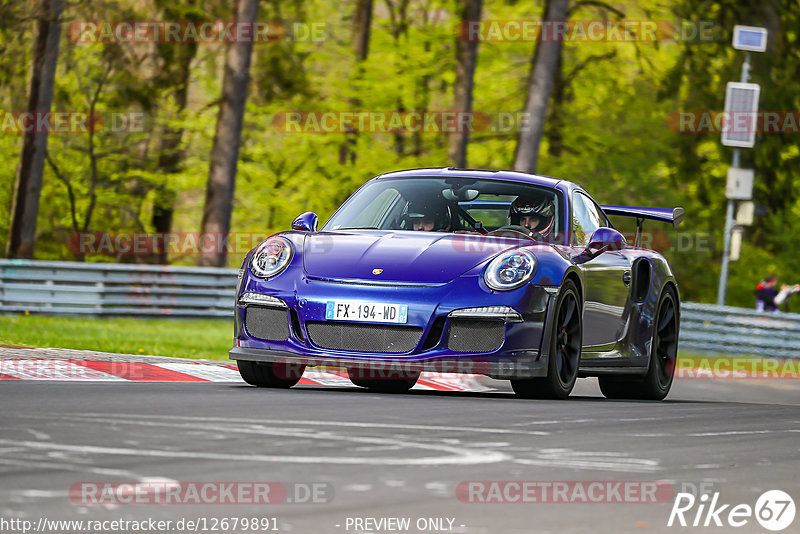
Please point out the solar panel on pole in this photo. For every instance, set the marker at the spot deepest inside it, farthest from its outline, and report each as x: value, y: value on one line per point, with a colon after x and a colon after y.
x: 741, y: 114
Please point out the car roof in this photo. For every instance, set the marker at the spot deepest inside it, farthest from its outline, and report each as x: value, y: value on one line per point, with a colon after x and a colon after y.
x: 512, y: 176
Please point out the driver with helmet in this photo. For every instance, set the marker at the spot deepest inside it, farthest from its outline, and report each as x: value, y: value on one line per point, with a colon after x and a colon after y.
x: 535, y: 213
x: 428, y: 216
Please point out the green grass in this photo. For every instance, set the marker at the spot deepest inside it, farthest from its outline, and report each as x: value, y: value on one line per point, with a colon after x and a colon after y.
x: 211, y: 339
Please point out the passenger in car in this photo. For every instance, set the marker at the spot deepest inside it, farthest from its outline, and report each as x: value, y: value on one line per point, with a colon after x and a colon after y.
x: 428, y: 216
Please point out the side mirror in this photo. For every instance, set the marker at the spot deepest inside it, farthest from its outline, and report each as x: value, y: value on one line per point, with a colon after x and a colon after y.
x: 602, y: 240
x: 306, y: 222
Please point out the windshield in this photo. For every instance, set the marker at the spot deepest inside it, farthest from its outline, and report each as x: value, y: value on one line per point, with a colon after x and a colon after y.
x: 454, y: 204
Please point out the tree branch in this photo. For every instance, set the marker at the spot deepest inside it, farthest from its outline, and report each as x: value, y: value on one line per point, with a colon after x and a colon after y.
x: 591, y: 59
x: 94, y: 174
x: 594, y: 3
x: 70, y: 192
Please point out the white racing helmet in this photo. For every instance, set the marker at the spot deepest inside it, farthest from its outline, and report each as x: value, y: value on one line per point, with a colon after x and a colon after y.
x: 541, y: 206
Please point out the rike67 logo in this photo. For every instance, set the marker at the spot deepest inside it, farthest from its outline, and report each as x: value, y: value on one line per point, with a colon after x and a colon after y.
x: 774, y: 510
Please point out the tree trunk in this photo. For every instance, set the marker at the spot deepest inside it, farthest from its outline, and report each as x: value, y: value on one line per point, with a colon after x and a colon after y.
x: 362, y: 22
x: 225, y: 152
x: 466, y: 59
x: 28, y: 183
x: 543, y: 73
x: 399, y: 23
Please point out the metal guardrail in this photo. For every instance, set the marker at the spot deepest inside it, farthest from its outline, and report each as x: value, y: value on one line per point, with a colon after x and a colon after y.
x: 711, y: 329
x: 73, y: 288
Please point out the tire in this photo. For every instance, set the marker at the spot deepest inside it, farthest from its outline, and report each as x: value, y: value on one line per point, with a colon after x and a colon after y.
x: 566, y: 339
x: 383, y: 385
x: 656, y: 383
x: 270, y: 375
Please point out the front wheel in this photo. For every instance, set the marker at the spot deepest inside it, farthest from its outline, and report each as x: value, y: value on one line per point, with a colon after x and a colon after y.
x: 270, y: 375
x: 663, y: 357
x: 566, y: 338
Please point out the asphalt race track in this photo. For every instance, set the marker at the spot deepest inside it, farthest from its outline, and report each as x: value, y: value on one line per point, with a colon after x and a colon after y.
x: 380, y: 456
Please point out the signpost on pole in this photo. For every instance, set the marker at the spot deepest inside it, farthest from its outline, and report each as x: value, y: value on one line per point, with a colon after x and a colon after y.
x: 745, y: 213
x: 739, y: 131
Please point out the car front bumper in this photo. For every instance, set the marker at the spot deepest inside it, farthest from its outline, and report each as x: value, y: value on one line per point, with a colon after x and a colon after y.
x: 302, y: 306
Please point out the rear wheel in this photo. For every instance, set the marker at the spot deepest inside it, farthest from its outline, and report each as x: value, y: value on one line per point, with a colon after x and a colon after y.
x: 663, y: 356
x: 565, y: 351
x: 406, y: 381
x: 270, y: 375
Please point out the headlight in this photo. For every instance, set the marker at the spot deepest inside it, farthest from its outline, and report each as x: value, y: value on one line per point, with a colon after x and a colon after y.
x: 271, y: 257
x: 510, y: 270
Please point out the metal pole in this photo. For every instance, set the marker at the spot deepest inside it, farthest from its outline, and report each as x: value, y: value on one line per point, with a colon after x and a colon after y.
x: 745, y: 77
x: 726, y: 246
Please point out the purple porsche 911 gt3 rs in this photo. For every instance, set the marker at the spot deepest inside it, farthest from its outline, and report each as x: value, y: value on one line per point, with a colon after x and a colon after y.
x: 506, y: 274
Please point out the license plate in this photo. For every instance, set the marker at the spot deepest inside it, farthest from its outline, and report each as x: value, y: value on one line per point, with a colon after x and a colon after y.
x: 370, y: 312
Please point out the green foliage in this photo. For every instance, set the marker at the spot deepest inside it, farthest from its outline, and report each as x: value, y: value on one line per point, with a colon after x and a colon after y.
x: 607, y: 126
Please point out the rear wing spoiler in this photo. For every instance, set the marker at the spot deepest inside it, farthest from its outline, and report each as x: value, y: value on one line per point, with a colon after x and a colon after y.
x: 667, y: 215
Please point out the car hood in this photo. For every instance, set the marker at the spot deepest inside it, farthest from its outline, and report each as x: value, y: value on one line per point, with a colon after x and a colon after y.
x: 398, y: 256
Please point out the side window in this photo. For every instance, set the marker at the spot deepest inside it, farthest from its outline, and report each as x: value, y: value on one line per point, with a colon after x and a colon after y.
x: 598, y: 213
x: 586, y: 218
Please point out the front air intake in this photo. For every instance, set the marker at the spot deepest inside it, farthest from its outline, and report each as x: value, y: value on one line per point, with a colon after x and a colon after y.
x: 475, y: 335
x: 271, y: 324
x: 358, y: 337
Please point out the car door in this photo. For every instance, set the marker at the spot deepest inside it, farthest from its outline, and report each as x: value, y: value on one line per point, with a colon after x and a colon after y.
x: 606, y: 277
